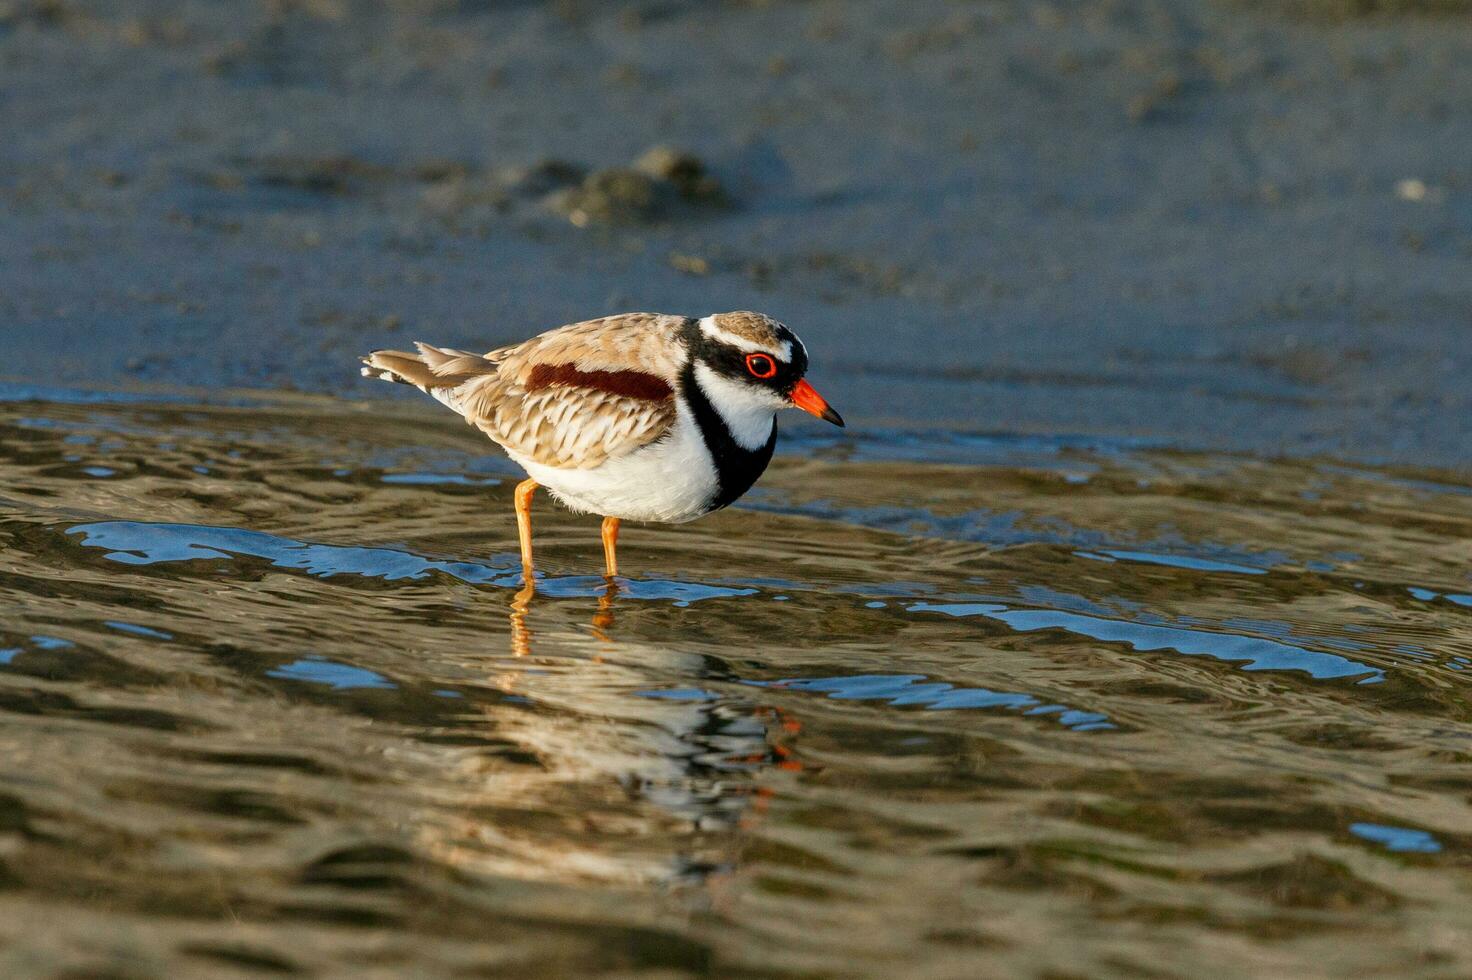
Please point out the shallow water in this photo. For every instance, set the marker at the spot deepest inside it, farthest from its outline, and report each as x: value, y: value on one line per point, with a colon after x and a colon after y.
x: 275, y: 701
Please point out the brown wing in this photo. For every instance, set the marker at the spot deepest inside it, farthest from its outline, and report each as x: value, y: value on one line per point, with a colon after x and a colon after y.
x: 643, y: 342
x: 572, y: 397
x: 571, y: 427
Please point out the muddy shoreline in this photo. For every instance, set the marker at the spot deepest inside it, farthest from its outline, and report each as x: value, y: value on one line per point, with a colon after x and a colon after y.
x: 1217, y: 225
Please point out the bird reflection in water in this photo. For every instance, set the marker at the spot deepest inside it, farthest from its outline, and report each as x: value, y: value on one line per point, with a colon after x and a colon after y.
x: 646, y: 776
x: 521, y: 604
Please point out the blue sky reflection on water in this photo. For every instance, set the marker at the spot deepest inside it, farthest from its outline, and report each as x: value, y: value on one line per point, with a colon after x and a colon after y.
x: 142, y: 543
x: 1402, y: 840
x: 1253, y: 653
x: 916, y: 690
x: 339, y: 677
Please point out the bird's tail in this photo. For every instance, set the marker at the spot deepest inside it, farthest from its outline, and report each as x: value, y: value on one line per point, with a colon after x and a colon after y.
x: 436, y: 371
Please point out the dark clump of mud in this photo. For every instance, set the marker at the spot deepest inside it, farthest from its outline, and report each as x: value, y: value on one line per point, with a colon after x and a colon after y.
x: 662, y: 184
x: 340, y: 174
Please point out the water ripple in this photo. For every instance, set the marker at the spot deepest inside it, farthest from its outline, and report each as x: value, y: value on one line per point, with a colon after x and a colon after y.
x: 1253, y: 653
x: 904, y: 690
x: 142, y: 543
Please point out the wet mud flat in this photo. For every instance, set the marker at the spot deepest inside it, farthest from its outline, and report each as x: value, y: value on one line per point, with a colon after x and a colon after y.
x: 277, y: 701
x: 1221, y: 223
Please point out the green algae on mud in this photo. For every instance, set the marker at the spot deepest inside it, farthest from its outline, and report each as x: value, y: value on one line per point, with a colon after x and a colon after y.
x: 275, y: 698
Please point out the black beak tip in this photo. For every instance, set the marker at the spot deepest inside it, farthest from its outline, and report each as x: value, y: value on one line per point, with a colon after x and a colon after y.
x: 829, y: 415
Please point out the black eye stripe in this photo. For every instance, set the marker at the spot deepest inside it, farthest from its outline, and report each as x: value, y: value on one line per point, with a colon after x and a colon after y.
x: 731, y: 361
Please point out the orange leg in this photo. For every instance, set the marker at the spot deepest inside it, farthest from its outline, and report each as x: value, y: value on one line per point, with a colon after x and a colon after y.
x: 524, y: 491
x: 610, y: 546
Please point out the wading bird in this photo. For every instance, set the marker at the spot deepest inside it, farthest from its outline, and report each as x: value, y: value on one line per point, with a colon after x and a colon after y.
x: 640, y: 416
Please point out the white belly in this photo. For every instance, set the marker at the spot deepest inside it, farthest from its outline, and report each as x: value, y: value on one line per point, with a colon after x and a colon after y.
x: 670, y: 481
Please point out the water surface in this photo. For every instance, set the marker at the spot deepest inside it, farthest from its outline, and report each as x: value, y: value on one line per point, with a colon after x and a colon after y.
x: 276, y: 700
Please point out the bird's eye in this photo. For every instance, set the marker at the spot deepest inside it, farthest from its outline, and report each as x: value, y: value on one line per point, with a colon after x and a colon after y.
x: 760, y: 366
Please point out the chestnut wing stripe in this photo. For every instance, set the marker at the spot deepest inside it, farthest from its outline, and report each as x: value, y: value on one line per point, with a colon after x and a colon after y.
x: 629, y: 384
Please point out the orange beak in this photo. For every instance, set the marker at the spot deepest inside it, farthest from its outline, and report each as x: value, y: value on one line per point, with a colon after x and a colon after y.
x: 806, y: 397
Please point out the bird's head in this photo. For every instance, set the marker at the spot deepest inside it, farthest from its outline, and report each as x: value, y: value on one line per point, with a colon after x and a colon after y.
x: 749, y: 366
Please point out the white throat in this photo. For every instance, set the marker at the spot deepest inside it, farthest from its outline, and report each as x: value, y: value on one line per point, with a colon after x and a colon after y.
x: 747, y: 412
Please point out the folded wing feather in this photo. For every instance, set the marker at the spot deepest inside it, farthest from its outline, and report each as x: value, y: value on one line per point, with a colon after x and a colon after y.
x: 572, y: 397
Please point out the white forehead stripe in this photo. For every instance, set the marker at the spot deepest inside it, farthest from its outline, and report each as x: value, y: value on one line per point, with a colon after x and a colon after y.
x: 709, y: 328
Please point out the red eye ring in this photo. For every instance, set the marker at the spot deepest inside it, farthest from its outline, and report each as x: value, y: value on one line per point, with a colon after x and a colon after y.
x: 761, y: 366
